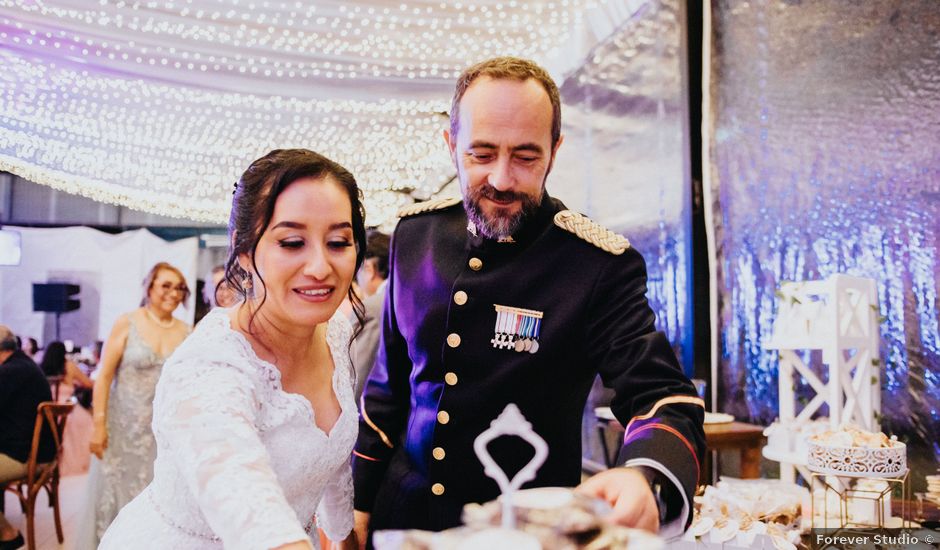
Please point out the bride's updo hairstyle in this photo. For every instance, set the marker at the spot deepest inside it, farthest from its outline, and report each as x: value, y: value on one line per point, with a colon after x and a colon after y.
x: 255, y: 194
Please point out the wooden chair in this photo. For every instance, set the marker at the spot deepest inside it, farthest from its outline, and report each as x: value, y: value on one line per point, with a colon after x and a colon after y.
x: 54, y: 383
x: 42, y: 476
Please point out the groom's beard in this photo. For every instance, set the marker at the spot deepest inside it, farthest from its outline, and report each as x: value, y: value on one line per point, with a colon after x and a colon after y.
x: 497, y: 225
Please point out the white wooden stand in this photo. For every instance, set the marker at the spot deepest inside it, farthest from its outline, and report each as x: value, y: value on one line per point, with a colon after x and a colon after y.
x: 838, y: 316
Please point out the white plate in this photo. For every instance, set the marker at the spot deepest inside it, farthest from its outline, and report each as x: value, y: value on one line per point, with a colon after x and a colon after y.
x: 498, y: 538
x: 718, y: 418
x: 543, y: 497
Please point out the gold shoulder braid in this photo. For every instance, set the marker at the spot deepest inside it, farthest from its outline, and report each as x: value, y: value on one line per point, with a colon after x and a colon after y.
x: 588, y: 230
x: 427, y: 206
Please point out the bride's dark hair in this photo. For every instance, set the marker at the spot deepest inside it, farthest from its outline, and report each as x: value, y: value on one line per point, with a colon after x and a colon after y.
x: 253, y: 206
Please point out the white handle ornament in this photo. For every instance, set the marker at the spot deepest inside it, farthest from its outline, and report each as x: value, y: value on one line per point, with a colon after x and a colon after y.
x: 510, y: 422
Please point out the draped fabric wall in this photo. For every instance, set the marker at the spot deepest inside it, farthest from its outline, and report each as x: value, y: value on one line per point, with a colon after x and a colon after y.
x: 823, y: 160
x: 108, y: 268
x: 624, y: 161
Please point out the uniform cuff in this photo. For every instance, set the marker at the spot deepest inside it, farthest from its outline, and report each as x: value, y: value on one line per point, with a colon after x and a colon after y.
x: 678, y: 511
x: 664, y: 449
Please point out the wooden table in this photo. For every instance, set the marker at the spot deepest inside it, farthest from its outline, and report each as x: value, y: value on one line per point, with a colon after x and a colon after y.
x: 746, y: 438
x: 929, y: 514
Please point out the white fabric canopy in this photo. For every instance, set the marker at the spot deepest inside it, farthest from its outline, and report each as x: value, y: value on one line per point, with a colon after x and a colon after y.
x: 160, y: 105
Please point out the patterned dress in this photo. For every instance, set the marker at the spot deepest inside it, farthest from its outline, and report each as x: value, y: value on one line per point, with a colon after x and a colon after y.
x: 127, y: 466
x: 241, y: 464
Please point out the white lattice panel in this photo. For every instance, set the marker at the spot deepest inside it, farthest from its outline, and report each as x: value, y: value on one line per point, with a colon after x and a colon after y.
x: 838, y: 316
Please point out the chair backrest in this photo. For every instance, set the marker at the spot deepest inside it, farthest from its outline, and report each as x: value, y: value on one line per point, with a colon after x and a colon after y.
x: 54, y: 383
x: 53, y: 415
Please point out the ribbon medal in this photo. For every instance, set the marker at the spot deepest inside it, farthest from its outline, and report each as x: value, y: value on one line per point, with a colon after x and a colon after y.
x: 517, y: 329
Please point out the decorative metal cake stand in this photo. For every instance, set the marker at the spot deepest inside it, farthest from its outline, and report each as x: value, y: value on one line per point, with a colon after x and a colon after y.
x: 840, y: 484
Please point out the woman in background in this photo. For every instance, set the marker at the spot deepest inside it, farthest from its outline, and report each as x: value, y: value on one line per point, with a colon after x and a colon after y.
x: 31, y: 348
x: 55, y: 362
x: 75, y: 455
x: 254, y: 416
x: 122, y: 404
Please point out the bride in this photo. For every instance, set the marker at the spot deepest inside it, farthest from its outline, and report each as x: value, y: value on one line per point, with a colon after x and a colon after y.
x: 254, y: 414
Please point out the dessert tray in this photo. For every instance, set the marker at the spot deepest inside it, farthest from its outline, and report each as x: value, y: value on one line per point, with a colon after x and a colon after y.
x: 549, y: 518
x: 856, y: 453
x: 748, y: 513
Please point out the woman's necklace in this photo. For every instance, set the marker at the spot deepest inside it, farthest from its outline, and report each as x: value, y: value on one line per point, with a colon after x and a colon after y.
x: 157, y: 320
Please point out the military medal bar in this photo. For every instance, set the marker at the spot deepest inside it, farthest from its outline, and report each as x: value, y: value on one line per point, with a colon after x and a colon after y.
x: 517, y: 329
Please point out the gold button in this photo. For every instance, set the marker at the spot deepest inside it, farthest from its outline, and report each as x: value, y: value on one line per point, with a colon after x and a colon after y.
x: 437, y: 489
x: 460, y: 298
x: 451, y: 379
x: 443, y: 417
x: 453, y: 340
x: 476, y: 264
x: 438, y: 453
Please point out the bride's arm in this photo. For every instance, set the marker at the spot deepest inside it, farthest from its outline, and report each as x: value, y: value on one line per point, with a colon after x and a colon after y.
x: 335, y: 511
x: 206, y: 414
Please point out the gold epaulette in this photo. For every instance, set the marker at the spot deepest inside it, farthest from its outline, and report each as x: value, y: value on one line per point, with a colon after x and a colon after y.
x: 427, y: 206
x: 588, y: 230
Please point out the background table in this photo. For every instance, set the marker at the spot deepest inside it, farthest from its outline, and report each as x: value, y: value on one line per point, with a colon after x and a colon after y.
x: 746, y: 438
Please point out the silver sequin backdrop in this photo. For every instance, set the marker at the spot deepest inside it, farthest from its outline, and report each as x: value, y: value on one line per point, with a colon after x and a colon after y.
x: 825, y: 158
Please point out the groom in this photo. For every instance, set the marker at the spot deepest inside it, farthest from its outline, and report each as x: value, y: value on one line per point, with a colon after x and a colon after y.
x: 507, y: 297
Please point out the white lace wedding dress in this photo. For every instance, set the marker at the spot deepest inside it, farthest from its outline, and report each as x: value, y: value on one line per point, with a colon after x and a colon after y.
x: 240, y: 463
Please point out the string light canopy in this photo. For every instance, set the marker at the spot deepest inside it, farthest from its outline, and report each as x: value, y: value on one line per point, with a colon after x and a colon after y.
x: 160, y: 105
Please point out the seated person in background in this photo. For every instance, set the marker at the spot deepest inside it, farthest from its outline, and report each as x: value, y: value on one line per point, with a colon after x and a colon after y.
x: 31, y: 348
x: 55, y: 363
x: 219, y: 293
x: 75, y: 441
x: 22, y: 388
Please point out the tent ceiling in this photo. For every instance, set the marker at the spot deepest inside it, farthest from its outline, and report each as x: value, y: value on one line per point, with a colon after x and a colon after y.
x: 160, y: 105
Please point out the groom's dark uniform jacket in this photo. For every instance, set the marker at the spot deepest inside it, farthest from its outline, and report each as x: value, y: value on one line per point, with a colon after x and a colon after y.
x: 448, y: 365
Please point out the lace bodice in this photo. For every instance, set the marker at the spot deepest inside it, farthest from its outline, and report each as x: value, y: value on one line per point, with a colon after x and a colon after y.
x: 240, y: 462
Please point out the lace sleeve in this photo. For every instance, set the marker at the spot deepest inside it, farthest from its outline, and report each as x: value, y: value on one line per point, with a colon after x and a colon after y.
x: 206, y: 414
x: 335, y: 512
